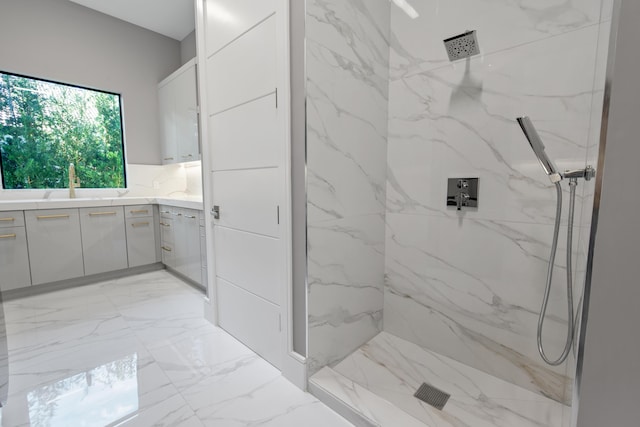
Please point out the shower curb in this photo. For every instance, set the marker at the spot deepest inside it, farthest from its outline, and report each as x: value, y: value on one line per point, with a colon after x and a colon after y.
x: 380, y: 412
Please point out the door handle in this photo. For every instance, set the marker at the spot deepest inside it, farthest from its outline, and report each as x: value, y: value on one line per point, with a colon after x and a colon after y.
x: 215, y: 212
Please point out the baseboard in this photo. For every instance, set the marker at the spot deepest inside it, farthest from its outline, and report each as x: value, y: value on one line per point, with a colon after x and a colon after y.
x: 294, y: 368
x: 187, y: 280
x: 79, y: 281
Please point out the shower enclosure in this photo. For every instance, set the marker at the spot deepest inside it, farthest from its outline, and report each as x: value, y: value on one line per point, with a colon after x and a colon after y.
x: 403, y: 289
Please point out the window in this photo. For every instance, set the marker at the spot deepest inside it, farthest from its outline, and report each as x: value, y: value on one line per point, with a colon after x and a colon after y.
x: 45, y: 126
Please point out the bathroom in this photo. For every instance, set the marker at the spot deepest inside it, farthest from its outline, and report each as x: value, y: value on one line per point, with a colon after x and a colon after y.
x: 334, y: 240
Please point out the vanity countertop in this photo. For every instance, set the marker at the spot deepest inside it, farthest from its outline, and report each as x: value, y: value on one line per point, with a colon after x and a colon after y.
x: 189, y: 202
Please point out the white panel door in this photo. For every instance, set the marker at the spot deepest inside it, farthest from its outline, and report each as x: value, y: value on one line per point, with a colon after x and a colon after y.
x: 244, y: 70
x: 248, y: 140
x: 248, y: 136
x: 252, y: 320
x: 232, y: 18
x: 248, y: 199
x: 260, y: 252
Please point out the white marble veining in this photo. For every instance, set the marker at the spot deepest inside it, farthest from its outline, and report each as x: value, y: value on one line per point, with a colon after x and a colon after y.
x: 416, y: 44
x: 137, y: 352
x: 374, y: 409
x: 469, y: 285
x: 392, y: 369
x: 345, y: 271
x: 347, y: 99
x: 347, y: 137
x: 471, y: 290
x: 454, y: 121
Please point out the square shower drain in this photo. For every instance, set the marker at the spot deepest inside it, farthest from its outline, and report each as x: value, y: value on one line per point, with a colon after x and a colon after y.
x: 432, y: 396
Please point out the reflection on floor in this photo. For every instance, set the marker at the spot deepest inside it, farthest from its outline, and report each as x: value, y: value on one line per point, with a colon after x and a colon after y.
x: 137, y: 352
x: 379, y: 379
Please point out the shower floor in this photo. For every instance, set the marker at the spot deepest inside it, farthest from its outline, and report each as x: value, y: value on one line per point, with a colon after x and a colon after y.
x: 377, y: 382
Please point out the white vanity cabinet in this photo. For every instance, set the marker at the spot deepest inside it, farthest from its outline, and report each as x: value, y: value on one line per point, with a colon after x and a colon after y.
x: 167, y: 237
x: 141, y: 235
x: 181, y: 241
x: 14, y: 258
x: 55, y: 245
x: 178, y: 108
x: 167, y: 126
x: 104, y: 240
x: 190, y: 262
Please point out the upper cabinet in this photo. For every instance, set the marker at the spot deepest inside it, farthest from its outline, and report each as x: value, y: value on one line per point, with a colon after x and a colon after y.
x: 178, y: 106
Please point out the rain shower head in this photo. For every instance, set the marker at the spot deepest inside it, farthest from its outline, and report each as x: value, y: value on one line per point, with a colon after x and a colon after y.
x: 538, y: 148
x: 462, y: 46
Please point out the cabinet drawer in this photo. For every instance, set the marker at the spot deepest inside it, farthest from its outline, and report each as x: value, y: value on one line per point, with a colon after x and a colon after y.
x: 104, y: 239
x: 166, y: 230
x: 168, y: 212
x: 168, y: 254
x: 138, y: 211
x: 191, y: 215
x: 11, y: 219
x: 14, y: 259
x: 55, y: 245
x: 141, y: 241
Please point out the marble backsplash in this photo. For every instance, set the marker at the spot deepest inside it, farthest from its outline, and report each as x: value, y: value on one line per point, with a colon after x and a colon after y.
x: 179, y: 180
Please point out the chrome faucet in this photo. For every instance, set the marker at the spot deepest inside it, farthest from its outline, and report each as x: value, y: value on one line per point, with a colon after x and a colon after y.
x: 74, y: 181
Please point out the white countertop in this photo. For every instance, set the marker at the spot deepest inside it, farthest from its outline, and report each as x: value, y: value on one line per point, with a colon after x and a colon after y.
x: 25, y: 205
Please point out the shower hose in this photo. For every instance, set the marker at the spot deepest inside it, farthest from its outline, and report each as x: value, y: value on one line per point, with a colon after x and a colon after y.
x: 543, y: 312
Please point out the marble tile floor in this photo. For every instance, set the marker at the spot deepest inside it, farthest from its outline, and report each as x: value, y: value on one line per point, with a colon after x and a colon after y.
x: 379, y: 379
x: 137, y: 352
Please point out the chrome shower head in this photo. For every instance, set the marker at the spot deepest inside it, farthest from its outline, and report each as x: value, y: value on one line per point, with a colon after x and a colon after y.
x: 538, y: 148
x: 462, y: 46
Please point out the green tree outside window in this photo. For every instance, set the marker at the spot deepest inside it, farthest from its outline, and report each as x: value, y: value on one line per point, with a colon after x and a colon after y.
x: 45, y: 126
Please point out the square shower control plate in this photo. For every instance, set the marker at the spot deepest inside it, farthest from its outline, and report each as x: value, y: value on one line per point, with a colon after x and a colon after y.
x: 462, y: 192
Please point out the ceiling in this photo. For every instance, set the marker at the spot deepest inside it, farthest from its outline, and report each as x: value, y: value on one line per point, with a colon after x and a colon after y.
x: 172, y: 18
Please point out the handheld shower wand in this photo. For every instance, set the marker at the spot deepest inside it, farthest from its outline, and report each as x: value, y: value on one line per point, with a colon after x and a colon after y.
x: 538, y: 148
x: 552, y: 171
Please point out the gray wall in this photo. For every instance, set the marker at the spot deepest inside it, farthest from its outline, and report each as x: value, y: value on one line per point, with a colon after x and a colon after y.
x: 611, y: 365
x: 188, y: 48
x: 62, y: 41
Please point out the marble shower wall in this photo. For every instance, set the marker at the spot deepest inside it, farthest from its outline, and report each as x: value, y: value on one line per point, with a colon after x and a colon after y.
x: 347, y: 54
x: 469, y: 285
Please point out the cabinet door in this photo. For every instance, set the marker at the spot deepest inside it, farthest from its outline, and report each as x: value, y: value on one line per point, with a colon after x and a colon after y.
x: 14, y: 259
x: 180, y: 242
x: 104, y: 240
x: 192, y: 245
x: 55, y: 245
x: 141, y: 241
x: 186, y: 115
x: 167, y: 237
x: 167, y: 124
